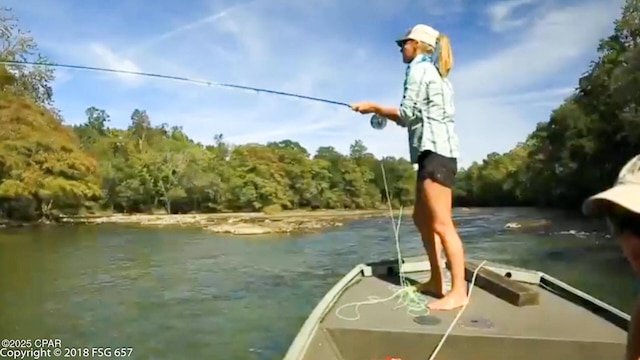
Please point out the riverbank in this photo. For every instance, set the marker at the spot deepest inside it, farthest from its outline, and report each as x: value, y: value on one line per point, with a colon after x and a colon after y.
x: 243, y: 223
x: 293, y: 221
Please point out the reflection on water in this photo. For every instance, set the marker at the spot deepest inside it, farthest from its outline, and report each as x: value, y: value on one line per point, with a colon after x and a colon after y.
x: 173, y: 293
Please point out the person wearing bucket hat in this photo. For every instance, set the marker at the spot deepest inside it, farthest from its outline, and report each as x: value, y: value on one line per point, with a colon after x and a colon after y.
x: 427, y: 111
x: 620, y: 205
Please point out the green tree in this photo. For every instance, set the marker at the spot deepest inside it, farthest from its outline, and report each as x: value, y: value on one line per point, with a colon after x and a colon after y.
x: 41, y: 161
x: 18, y: 45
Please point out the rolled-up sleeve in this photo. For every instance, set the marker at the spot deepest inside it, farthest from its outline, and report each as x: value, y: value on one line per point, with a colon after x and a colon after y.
x: 410, y: 104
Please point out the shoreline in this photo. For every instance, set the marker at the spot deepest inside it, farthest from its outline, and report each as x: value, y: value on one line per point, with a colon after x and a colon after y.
x: 254, y: 223
x: 291, y: 221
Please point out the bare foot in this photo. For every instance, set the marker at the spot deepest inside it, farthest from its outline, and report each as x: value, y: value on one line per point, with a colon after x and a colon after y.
x: 432, y: 288
x: 451, y: 301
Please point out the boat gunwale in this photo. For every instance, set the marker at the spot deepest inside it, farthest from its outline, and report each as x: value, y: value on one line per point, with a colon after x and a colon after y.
x: 617, y: 317
x: 301, y: 342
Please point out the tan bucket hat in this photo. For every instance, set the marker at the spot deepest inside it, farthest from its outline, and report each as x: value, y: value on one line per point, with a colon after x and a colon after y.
x: 625, y: 192
x: 421, y: 32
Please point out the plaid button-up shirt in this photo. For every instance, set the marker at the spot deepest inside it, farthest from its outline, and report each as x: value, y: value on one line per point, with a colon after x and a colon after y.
x: 427, y: 110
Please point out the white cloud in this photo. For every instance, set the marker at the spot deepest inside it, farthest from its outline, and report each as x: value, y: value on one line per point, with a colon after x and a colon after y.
x: 544, y: 49
x: 107, y: 58
x: 501, y: 14
x: 505, y: 82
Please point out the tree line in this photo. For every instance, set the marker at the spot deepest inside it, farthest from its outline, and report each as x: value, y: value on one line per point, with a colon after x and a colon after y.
x: 48, y: 168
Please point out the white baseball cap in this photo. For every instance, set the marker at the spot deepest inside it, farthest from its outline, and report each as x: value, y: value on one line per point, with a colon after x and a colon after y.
x: 625, y: 192
x: 421, y: 32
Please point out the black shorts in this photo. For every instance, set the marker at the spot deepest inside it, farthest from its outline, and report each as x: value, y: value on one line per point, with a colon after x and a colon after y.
x: 436, y: 167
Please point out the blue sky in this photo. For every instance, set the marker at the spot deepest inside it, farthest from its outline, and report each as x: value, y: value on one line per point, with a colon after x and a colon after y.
x: 515, y: 61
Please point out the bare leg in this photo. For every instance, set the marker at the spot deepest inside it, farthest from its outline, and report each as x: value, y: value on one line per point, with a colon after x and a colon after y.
x: 439, y: 202
x: 440, y: 251
x: 435, y: 285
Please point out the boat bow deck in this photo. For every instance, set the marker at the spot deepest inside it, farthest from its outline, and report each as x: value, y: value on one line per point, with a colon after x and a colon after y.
x: 489, y: 328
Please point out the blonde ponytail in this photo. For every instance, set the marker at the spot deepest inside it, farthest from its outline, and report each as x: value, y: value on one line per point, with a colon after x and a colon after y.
x: 445, y: 55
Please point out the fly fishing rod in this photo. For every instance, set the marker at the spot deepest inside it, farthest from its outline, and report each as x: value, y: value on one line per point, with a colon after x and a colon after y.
x: 172, y: 77
x: 377, y: 122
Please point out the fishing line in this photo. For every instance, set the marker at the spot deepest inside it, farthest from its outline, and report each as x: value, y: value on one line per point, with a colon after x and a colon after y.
x: 176, y: 78
x: 407, y: 294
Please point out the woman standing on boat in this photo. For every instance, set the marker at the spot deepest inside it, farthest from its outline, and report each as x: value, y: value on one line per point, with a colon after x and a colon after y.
x: 620, y: 205
x: 427, y: 112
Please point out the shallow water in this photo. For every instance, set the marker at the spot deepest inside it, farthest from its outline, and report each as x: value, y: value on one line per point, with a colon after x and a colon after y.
x: 176, y: 293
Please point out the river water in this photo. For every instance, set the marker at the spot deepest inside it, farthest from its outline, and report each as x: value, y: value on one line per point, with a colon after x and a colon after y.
x: 178, y: 293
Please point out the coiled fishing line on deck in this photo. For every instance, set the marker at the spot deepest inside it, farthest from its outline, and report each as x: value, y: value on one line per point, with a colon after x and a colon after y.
x: 407, y: 294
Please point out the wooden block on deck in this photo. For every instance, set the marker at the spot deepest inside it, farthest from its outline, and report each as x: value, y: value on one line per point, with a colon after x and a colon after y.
x: 502, y: 287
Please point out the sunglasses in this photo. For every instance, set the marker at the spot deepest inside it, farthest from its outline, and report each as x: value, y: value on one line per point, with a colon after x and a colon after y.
x: 403, y: 42
x: 624, y: 222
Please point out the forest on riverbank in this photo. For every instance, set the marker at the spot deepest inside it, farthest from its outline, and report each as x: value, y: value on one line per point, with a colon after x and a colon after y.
x: 49, y: 168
